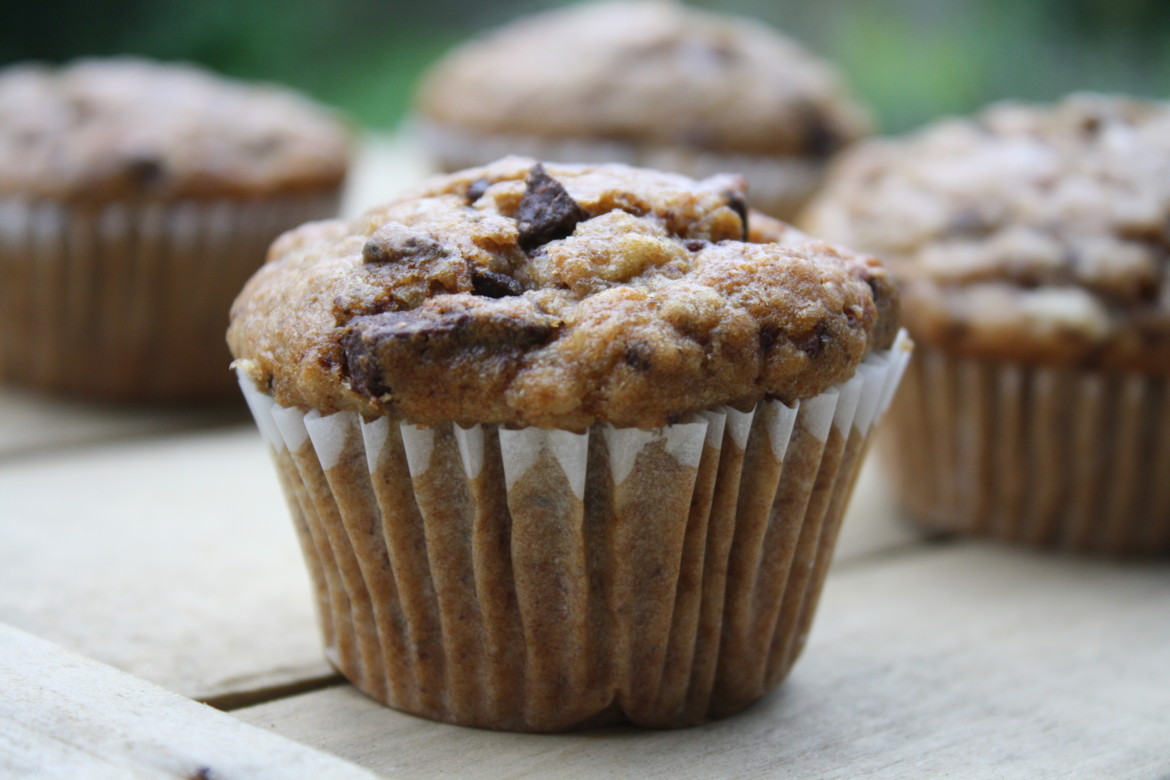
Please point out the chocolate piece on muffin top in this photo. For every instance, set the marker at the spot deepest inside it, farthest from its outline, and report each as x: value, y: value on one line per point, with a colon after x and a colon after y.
x: 124, y: 128
x: 1026, y: 233
x: 557, y: 297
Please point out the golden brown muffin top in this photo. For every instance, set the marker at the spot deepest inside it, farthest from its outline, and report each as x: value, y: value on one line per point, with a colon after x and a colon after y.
x: 103, y: 129
x: 1026, y: 233
x: 650, y: 73
x: 556, y: 296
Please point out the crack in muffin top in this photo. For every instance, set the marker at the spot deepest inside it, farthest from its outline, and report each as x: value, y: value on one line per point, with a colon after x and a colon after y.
x: 123, y: 127
x: 1035, y: 233
x: 557, y: 296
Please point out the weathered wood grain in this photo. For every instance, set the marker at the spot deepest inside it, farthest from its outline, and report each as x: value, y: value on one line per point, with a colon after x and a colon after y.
x: 170, y: 558
x: 65, y: 716
x: 958, y: 661
x: 32, y: 423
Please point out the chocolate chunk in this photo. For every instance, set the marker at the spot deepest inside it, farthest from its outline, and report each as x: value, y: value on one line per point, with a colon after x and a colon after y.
x: 394, y: 241
x: 494, y: 285
x: 637, y: 357
x: 695, y: 244
x: 376, y: 340
x: 738, y: 203
x: 145, y: 170
x: 815, y: 342
x: 769, y: 335
x: 374, y: 329
x: 477, y: 188
x: 1091, y: 126
x: 820, y: 139
x: 374, y: 344
x: 361, y: 365
x: 547, y: 212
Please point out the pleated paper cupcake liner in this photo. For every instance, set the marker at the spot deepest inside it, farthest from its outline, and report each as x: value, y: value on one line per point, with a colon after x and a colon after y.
x: 543, y: 580
x: 130, y: 300
x: 1041, y: 456
x: 779, y: 186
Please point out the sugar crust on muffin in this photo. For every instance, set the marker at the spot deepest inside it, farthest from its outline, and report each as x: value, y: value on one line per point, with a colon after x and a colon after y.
x: 1034, y: 233
x: 650, y: 83
x: 742, y: 86
x: 557, y: 296
x: 126, y: 128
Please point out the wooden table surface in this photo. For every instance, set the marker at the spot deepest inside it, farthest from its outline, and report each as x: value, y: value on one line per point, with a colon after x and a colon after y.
x: 148, y: 569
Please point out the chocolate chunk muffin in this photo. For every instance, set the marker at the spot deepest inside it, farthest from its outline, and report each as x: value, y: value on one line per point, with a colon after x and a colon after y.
x: 1033, y: 250
x: 566, y: 445
x: 135, y: 200
x: 646, y: 83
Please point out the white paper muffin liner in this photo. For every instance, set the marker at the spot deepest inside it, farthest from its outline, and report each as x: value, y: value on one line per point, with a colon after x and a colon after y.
x: 542, y: 580
x: 130, y: 300
x: 1036, y: 455
x: 779, y: 186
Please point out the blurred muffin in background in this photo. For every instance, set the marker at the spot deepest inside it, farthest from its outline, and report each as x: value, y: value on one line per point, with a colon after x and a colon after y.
x: 1032, y: 245
x: 645, y: 83
x: 135, y: 200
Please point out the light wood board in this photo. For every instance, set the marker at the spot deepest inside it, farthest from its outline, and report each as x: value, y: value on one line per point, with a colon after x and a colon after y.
x: 957, y: 661
x: 173, y: 559
x: 64, y: 716
x: 31, y: 423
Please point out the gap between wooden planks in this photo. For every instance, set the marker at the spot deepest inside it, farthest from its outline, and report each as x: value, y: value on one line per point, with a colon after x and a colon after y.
x: 171, y: 558
x: 64, y: 716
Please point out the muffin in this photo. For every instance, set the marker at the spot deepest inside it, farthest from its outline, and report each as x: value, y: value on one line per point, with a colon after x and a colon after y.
x: 1031, y: 244
x: 563, y: 447
x: 644, y: 83
x: 136, y: 199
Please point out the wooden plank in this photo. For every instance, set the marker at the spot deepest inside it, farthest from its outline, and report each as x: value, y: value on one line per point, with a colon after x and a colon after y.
x: 173, y: 559
x: 963, y: 661
x: 31, y: 422
x: 66, y: 716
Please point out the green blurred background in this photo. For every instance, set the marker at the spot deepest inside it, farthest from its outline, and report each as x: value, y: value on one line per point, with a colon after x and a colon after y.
x: 911, y: 59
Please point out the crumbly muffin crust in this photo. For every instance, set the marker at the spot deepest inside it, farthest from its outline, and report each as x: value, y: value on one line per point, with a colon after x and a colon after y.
x: 556, y: 298
x: 645, y: 73
x: 125, y: 128
x: 1026, y: 233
